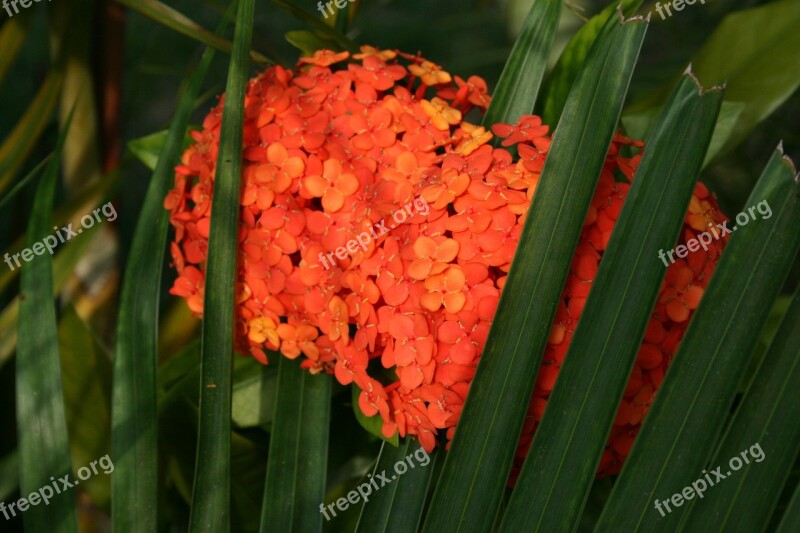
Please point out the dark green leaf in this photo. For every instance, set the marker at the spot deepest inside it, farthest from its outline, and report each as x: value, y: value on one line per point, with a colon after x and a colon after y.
x: 572, y: 59
x: 174, y: 20
x: 211, y: 490
x: 318, y: 25
x: 518, y: 86
x: 765, y: 423
x: 86, y: 375
x: 43, y: 442
x: 134, y: 413
x: 476, y: 468
x: 681, y: 429
x: 569, y: 442
x: 791, y: 517
x: 396, y: 507
x: 298, y: 450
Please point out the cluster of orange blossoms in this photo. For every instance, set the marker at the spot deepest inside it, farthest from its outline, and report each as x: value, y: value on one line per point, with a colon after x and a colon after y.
x: 339, y: 146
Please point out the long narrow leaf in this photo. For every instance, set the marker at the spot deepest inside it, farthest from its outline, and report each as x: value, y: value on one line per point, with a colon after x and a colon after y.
x: 468, y: 494
x: 211, y: 490
x: 41, y: 422
x: 691, y: 406
x: 767, y: 418
x: 559, y: 83
x: 175, y: 20
x: 560, y: 468
x: 319, y: 26
x: 397, y: 507
x: 298, y: 451
x: 518, y: 86
x: 134, y: 422
x: 12, y: 35
x: 791, y: 517
x: 28, y: 130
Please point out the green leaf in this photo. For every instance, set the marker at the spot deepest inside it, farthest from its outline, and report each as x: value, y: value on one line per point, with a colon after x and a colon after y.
x: 298, y: 450
x: 63, y: 268
x: 12, y: 35
x: 28, y: 130
x: 21, y: 184
x: 134, y: 422
x: 211, y: 490
x: 177, y: 21
x: 762, y: 422
x: 791, y: 517
x: 568, y: 445
x: 372, y: 424
x: 681, y: 429
x: 398, y: 506
x: 148, y: 148
x: 254, y: 390
x: 43, y: 442
x: 86, y: 375
x: 518, y: 86
x: 9, y: 475
x: 755, y: 52
x: 319, y: 27
x: 572, y: 59
x: 476, y: 469
x: 639, y: 125
x: 308, y: 42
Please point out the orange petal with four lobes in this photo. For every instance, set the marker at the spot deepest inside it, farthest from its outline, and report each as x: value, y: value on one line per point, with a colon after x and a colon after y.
x: 315, y: 185
x: 333, y: 200
x: 424, y: 247
x: 401, y: 327
x: 410, y: 376
x: 404, y: 355
x: 692, y: 296
x: 347, y: 184
x: 431, y: 301
x: 419, y: 269
x: 454, y: 279
x: 677, y: 310
x: 454, y: 301
x: 447, y: 251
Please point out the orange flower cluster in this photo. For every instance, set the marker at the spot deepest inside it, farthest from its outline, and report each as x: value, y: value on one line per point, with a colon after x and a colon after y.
x: 331, y: 150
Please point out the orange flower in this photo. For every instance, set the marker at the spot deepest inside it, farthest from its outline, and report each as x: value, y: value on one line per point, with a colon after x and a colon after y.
x: 377, y: 229
x: 442, y: 115
x: 431, y: 73
x: 333, y: 186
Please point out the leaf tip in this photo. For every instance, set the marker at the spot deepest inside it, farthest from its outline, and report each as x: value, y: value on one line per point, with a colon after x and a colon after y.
x: 637, y: 18
x: 702, y: 90
x: 789, y: 161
